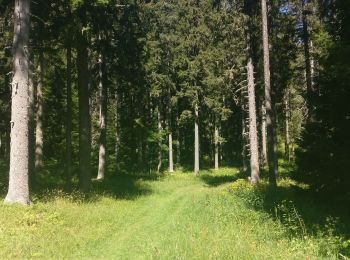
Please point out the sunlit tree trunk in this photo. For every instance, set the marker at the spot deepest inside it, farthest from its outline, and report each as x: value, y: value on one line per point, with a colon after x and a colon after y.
x: 160, y: 130
x: 263, y: 135
x: 270, y: 114
x: 244, y: 133
x: 31, y: 125
x: 196, y: 139
x: 216, y: 146
x: 103, y: 116
x: 253, y: 136
x: 170, y: 143
x: 39, y: 117
x: 18, y: 190
x: 171, y: 161
x: 8, y: 126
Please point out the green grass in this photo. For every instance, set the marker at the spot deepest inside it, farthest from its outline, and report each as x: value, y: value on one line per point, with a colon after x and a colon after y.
x: 176, y: 216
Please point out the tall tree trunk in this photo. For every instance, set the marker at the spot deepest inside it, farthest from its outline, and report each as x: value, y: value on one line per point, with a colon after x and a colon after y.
x: 196, y: 139
x: 178, y: 147
x: 84, y: 110
x: 170, y: 135
x: 170, y: 142
x: 308, y: 62
x: 160, y: 130
x: 216, y: 145
x: 18, y: 190
x: 69, y: 119
x: 39, y: 117
x: 171, y: 161
x: 117, y: 130
x: 253, y: 136
x: 244, y: 133
x: 270, y: 114
x: 103, y: 115
x: 31, y: 123
x: 7, y: 126
x: 263, y: 134
x: 286, y: 127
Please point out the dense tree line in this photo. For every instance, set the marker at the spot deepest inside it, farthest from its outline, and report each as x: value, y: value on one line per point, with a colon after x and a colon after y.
x: 107, y: 87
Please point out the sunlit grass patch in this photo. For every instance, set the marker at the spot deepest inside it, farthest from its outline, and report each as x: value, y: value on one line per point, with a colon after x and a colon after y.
x: 218, y: 215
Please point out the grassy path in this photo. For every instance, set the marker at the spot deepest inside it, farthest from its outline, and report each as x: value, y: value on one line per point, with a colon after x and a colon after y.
x: 175, y: 217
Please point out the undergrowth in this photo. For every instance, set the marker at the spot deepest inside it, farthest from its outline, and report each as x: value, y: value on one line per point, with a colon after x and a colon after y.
x: 308, y: 227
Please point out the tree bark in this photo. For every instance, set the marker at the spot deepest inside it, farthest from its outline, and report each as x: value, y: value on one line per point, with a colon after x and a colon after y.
x: 253, y: 136
x: 178, y: 147
x: 31, y: 135
x: 170, y: 136
x: 171, y: 161
x: 39, y: 117
x: 84, y: 110
x: 117, y: 130
x: 7, y: 126
x: 196, y: 139
x: 244, y: 133
x: 18, y: 190
x: 270, y: 114
x: 286, y: 127
x: 308, y: 63
x: 160, y: 130
x: 103, y: 115
x: 69, y: 120
x: 263, y: 135
x: 216, y: 146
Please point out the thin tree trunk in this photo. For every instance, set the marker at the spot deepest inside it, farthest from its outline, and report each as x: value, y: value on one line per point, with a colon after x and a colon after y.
x: 286, y: 127
x: 312, y: 65
x: 270, y: 115
x: 170, y: 143
x: 244, y: 134
x: 178, y: 147
x: 18, y: 190
x: 84, y: 111
x: 103, y: 115
x: 160, y: 130
x: 69, y: 120
x: 171, y: 161
x: 216, y: 144
x: 308, y: 62
x: 253, y: 136
x: 196, y: 140
x: 117, y: 130
x: 39, y: 117
x: 263, y: 135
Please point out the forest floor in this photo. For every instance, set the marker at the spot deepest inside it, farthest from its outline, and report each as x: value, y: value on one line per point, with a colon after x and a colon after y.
x: 170, y: 216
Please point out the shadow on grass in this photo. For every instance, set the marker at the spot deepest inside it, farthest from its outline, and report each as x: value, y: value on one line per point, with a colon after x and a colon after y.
x: 215, y: 179
x: 50, y: 186
x: 119, y: 187
x: 300, y: 210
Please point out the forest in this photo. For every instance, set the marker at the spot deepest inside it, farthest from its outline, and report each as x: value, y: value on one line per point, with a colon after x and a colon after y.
x: 175, y: 129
